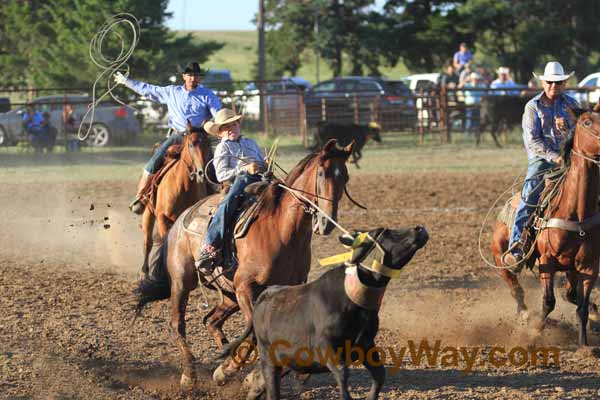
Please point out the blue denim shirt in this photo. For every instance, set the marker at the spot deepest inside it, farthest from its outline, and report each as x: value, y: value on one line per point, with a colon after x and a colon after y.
x: 540, y: 136
x: 196, y: 105
x: 229, y: 154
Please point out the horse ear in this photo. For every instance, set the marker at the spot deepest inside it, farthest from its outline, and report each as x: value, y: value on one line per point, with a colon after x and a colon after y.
x: 188, y: 126
x: 571, y: 113
x: 597, y: 107
x: 329, y: 145
x: 348, y: 149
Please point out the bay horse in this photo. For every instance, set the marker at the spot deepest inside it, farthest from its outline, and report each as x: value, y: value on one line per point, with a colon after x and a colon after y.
x: 570, y: 240
x: 275, y: 251
x: 182, y: 183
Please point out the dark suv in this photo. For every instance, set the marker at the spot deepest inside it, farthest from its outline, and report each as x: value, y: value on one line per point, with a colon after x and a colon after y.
x: 362, y: 100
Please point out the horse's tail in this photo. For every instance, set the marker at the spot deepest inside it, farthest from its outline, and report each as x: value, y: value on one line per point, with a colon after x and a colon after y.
x: 157, y: 285
x: 229, y: 348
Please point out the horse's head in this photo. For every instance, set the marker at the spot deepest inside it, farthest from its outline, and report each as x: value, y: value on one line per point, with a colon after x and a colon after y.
x: 331, y: 176
x: 196, y: 151
x: 587, y: 132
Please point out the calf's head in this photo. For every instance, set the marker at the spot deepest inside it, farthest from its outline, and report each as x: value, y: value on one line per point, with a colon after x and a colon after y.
x: 373, y: 132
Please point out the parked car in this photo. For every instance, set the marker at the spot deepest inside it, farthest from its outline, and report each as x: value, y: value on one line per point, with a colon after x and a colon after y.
x: 219, y: 80
x: 417, y: 82
x: 112, y: 122
x: 590, y: 81
x: 280, y: 95
x: 361, y: 100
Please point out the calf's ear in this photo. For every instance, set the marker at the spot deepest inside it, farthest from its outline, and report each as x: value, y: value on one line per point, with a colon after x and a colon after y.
x: 348, y: 149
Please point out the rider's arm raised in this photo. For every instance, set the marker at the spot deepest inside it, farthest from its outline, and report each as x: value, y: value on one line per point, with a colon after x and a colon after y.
x: 159, y: 94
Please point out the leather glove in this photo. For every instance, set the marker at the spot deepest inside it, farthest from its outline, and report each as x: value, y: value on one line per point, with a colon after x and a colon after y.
x: 119, y: 78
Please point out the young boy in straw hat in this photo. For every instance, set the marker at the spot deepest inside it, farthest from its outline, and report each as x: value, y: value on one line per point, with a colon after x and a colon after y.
x: 236, y: 158
x: 546, y: 126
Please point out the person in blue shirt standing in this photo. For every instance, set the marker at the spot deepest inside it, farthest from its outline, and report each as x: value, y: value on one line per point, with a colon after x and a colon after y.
x: 546, y: 126
x: 461, y: 58
x: 37, y: 128
x: 190, y: 101
x: 472, y: 100
x: 237, y: 159
x: 503, y: 81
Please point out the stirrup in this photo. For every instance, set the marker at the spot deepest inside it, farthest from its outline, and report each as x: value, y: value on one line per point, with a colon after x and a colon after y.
x: 207, y: 261
x: 511, y: 261
x: 136, y: 206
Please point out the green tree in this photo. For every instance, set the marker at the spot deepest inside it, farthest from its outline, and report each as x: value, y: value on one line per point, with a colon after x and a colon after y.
x: 46, y: 43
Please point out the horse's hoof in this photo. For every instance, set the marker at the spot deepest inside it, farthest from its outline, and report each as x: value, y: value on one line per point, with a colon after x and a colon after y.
x: 219, y: 376
x: 186, y: 383
x: 524, y: 315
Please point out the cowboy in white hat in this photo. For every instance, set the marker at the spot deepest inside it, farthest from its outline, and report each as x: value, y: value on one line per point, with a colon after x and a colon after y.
x: 503, y: 81
x: 546, y: 126
x: 236, y: 159
x: 190, y: 101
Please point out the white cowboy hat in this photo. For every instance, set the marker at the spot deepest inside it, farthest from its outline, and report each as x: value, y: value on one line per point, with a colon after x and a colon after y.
x: 554, y: 72
x: 503, y: 70
x: 223, y: 117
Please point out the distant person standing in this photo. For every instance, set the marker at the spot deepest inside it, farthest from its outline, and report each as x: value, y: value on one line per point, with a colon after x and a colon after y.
x: 190, y: 101
x: 503, y: 81
x: 462, y: 58
x: 37, y: 128
x: 472, y: 100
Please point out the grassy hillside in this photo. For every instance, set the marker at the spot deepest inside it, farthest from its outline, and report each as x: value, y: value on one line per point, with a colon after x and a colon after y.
x: 239, y: 56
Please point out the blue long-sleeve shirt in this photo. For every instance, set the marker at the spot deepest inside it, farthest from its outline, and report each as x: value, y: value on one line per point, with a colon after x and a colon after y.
x: 540, y: 136
x: 229, y: 154
x: 196, y: 105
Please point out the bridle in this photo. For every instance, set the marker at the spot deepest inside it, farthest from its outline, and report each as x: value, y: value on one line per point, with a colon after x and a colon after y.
x: 196, y: 170
x: 588, y: 127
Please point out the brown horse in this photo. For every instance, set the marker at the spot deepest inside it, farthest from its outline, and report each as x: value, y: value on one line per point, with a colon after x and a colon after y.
x: 181, y: 185
x: 570, y: 241
x: 276, y: 249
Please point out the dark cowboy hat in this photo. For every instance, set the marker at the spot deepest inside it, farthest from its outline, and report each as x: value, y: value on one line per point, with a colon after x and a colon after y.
x: 193, y: 68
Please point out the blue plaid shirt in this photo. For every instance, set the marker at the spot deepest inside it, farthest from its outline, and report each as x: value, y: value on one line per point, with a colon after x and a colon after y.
x: 196, y: 105
x: 540, y: 136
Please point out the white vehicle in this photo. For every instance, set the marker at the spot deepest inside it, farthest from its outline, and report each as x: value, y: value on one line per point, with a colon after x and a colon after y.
x: 422, y: 82
x: 590, y: 81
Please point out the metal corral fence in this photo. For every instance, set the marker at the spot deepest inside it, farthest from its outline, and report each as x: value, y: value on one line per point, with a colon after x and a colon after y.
x: 290, y: 110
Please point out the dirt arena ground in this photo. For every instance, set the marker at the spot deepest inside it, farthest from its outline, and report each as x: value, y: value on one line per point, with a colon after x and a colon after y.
x: 70, y: 252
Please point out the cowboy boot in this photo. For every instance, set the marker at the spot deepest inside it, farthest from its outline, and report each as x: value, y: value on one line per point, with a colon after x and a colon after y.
x: 136, y: 206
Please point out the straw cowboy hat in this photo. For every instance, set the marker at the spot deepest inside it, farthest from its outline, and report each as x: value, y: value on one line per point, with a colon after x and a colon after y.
x: 554, y: 72
x: 223, y: 117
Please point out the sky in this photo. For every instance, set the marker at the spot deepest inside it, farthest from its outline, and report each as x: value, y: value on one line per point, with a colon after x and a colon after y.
x: 215, y: 14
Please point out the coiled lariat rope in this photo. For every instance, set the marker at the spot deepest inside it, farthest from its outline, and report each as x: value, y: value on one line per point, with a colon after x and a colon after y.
x: 110, y: 65
x: 558, y: 172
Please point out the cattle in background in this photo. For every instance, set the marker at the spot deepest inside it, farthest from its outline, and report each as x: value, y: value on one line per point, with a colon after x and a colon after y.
x: 345, y: 134
x: 500, y: 113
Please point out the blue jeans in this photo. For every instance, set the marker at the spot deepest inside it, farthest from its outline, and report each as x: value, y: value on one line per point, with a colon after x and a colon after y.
x: 472, y: 120
x: 534, y: 184
x: 158, y: 158
x: 223, y: 216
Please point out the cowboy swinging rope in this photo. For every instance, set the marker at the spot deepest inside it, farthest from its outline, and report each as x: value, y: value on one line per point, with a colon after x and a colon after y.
x: 110, y: 65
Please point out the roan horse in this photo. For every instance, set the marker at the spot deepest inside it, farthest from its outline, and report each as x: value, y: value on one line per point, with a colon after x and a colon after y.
x: 182, y: 183
x: 275, y: 251
x: 570, y: 239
